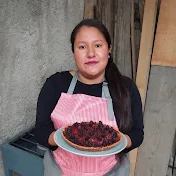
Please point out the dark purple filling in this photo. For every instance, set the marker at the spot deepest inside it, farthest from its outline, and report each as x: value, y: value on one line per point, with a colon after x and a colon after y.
x: 91, y: 134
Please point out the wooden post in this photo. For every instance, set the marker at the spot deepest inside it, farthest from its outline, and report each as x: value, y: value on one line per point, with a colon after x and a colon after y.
x: 144, y: 60
x: 133, y: 50
x: 98, y: 10
x: 122, y: 51
x: 141, y: 10
x: 109, y: 17
x: 146, y: 45
x: 164, y: 52
x: 89, y: 7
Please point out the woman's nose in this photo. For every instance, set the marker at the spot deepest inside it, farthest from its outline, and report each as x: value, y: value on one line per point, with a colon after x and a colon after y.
x: 90, y: 52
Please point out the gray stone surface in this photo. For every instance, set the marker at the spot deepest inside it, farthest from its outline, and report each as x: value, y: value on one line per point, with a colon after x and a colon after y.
x: 34, y: 43
x: 160, y: 123
x: 172, y: 171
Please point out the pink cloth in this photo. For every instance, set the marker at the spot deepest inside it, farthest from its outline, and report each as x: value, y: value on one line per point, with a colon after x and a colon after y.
x: 78, y: 108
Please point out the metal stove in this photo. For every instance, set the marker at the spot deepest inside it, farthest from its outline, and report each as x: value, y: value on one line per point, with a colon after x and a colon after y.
x: 23, y: 155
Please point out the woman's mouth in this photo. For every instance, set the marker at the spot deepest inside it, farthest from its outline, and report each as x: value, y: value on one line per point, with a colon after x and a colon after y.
x: 91, y: 62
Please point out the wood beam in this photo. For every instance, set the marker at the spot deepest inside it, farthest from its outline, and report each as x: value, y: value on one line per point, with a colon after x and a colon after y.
x: 164, y: 52
x: 148, y: 28
x: 146, y: 45
x: 89, y: 9
x: 122, y: 51
x: 133, y: 48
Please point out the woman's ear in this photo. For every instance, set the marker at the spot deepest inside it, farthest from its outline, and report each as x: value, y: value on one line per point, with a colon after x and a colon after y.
x: 110, y: 48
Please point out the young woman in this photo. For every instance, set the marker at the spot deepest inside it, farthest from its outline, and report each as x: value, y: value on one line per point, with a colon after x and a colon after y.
x: 64, y: 95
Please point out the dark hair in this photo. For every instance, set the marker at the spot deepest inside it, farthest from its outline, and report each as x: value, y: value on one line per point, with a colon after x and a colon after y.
x: 116, y: 82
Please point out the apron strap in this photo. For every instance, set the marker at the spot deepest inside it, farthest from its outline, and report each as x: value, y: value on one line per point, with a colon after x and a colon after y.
x: 105, y: 94
x: 73, y: 84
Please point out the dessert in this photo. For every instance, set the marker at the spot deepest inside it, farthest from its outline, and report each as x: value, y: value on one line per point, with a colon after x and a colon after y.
x: 91, y: 136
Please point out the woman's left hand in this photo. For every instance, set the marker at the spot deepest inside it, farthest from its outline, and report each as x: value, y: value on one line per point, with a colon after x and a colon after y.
x: 129, y: 143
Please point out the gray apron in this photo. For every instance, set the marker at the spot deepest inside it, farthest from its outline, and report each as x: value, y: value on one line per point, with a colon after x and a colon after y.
x: 120, y: 169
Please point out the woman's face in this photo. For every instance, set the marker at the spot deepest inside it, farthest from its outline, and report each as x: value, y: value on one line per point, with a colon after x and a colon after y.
x: 91, y: 52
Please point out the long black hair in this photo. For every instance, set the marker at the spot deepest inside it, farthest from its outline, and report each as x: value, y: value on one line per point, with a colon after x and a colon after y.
x: 116, y: 82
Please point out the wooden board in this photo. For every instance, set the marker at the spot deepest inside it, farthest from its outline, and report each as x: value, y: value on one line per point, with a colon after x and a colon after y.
x: 105, y: 13
x: 122, y: 51
x: 160, y: 123
x: 144, y: 60
x: 165, y: 42
x: 141, y: 10
x: 133, y: 49
x: 89, y: 7
x: 109, y: 16
x: 146, y: 46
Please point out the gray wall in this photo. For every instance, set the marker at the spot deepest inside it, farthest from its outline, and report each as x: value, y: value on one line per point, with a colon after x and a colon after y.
x: 34, y: 43
x: 159, y: 123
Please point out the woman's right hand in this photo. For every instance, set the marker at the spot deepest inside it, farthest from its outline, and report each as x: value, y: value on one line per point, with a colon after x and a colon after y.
x: 51, y: 139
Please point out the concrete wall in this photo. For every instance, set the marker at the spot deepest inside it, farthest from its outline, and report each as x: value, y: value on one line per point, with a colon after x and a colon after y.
x: 34, y: 43
x: 159, y: 122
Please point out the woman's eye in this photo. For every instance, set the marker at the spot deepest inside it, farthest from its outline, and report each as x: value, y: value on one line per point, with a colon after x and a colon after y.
x: 98, y: 46
x: 81, y: 47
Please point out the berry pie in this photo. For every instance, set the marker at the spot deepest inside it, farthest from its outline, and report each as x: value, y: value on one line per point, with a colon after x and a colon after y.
x: 91, y: 136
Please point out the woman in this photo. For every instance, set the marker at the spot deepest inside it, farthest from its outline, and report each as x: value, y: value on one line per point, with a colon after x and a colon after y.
x: 96, y: 74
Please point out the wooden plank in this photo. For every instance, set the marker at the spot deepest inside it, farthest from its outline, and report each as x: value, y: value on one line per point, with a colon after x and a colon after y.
x: 122, y: 51
x: 164, y: 48
x: 98, y: 9
x: 137, y: 29
x: 160, y: 123
x: 145, y: 52
x: 141, y: 10
x: 114, y: 44
x: 133, y: 50
x: 105, y: 13
x: 133, y: 156
x: 146, y: 45
x: 137, y: 36
x: 109, y: 17
x: 89, y: 7
x: 102, y: 6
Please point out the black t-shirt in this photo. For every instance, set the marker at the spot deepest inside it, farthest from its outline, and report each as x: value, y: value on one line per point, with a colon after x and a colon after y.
x: 58, y: 83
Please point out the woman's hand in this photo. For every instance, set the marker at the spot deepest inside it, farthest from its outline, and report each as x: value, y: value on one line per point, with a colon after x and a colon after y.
x: 129, y: 143
x: 51, y: 139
